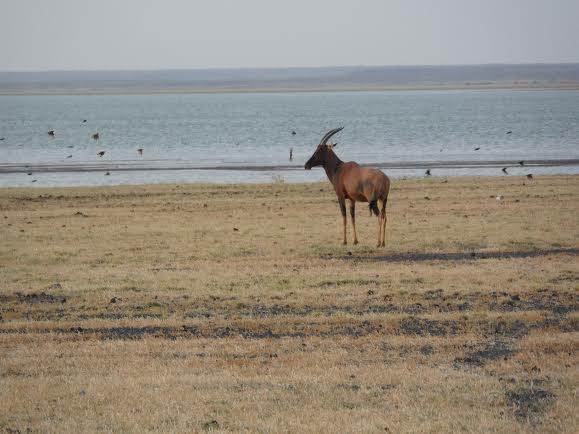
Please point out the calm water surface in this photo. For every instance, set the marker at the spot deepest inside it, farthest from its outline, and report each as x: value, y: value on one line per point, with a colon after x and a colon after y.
x: 255, y: 129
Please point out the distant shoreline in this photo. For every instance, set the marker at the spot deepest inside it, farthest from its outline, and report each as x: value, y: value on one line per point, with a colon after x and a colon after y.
x: 208, y: 90
x: 286, y: 80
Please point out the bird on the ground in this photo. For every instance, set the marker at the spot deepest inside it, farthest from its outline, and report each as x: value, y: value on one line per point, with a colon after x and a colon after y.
x: 293, y: 133
x: 427, y: 172
x: 70, y: 146
x: 476, y: 149
x: 521, y: 163
x: 2, y: 138
x: 529, y: 176
x: 83, y: 121
x: 95, y: 136
x: 70, y: 156
x: 107, y: 174
x: 29, y: 173
x: 505, y: 170
x: 509, y: 132
x: 34, y: 180
x: 101, y: 153
x: 51, y: 133
x: 140, y: 151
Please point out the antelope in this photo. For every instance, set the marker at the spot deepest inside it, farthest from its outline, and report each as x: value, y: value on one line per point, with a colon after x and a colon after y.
x: 353, y: 182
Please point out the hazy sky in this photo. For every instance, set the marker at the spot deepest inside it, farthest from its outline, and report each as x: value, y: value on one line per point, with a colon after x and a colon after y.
x: 156, y: 34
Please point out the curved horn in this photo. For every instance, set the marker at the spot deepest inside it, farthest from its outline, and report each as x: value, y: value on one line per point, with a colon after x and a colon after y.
x: 330, y: 134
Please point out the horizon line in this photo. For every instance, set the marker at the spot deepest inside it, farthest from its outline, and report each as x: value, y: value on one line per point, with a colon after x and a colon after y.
x: 249, y: 68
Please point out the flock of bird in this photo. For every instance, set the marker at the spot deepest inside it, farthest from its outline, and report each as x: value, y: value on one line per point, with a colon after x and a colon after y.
x: 94, y: 136
x: 504, y: 169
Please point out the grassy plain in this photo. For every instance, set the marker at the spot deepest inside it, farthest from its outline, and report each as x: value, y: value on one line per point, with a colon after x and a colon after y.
x: 191, y: 308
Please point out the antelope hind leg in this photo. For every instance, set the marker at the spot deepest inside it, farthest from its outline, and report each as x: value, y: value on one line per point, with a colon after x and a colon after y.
x: 383, y: 220
x: 379, y: 231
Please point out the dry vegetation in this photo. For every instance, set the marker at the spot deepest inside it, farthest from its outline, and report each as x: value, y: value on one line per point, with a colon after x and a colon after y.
x: 194, y: 308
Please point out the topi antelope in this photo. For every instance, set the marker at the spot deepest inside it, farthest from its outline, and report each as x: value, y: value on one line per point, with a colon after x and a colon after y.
x: 353, y: 182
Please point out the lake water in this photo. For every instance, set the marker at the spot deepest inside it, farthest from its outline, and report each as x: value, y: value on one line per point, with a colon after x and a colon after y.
x: 214, y: 131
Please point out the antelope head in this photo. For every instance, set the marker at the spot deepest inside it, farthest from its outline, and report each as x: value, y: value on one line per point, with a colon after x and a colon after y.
x: 323, y: 150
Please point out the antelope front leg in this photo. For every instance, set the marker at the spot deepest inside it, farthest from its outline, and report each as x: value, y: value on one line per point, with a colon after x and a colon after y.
x: 343, y: 210
x: 353, y: 215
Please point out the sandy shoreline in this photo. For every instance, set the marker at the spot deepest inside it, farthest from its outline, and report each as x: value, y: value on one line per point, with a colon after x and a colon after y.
x: 139, y: 165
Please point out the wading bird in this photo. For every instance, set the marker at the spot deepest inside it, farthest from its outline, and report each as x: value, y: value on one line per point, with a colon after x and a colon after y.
x: 505, y: 170
x: 427, y: 173
x: 95, y: 136
x: 521, y: 163
x: 101, y: 153
x: 51, y: 133
x: 140, y: 151
x: 291, y: 154
x: 353, y: 182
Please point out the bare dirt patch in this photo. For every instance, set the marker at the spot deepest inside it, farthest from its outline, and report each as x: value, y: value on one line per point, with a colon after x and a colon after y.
x: 529, y: 404
x: 493, y: 351
x: 42, y: 297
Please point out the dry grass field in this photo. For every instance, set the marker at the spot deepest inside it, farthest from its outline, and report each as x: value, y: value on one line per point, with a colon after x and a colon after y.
x: 192, y: 308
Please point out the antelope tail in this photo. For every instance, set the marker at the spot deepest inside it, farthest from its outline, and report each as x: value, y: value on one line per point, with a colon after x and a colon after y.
x: 373, y: 207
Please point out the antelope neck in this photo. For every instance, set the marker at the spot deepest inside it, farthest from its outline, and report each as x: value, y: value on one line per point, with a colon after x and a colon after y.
x: 331, y: 166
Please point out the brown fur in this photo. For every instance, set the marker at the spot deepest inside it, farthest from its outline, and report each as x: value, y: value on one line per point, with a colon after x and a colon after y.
x: 355, y: 183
